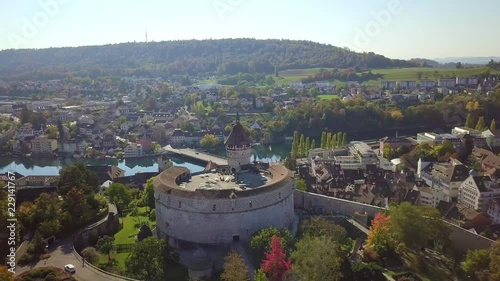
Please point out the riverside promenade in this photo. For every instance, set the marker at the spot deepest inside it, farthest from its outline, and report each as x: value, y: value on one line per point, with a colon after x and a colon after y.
x: 196, y: 155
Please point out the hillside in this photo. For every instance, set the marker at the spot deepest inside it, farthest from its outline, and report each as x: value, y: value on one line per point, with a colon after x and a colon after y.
x: 191, y: 57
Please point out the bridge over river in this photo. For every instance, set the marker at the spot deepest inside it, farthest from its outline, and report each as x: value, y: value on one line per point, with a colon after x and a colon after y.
x: 197, y: 155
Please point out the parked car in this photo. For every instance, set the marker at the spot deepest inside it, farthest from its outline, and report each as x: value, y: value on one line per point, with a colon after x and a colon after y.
x: 70, y: 268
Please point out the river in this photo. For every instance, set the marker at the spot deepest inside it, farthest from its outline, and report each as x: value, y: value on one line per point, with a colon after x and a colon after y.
x: 266, y: 153
x: 40, y: 166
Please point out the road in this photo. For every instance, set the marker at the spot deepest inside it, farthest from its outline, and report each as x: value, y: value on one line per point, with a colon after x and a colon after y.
x: 61, y: 253
x: 188, y: 152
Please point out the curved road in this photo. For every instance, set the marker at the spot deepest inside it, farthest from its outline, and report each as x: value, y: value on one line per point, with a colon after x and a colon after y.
x: 61, y: 253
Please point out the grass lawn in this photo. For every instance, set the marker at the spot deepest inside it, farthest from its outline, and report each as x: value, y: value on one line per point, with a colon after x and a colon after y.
x: 396, y: 74
x: 328, y: 97
x: 412, y: 73
x: 127, y: 234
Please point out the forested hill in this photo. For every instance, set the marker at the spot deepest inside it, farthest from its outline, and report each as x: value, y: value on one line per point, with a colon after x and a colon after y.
x: 191, y: 57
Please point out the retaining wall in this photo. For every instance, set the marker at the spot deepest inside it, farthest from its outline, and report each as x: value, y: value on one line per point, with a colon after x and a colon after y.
x: 461, y: 239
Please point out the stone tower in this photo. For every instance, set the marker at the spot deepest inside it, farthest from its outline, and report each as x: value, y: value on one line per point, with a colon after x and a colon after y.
x: 238, y: 147
x: 163, y: 163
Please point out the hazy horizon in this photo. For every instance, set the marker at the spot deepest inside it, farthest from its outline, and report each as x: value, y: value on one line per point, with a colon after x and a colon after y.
x: 395, y: 28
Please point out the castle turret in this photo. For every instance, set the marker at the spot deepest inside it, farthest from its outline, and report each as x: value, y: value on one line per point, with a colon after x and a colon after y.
x: 238, y: 147
x: 163, y: 163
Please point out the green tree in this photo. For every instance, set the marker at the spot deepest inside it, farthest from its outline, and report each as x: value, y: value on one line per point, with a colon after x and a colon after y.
x: 415, y: 225
x: 307, y: 147
x: 480, y: 124
x: 91, y: 255
x: 75, y: 204
x: 234, y: 268
x: 313, y: 144
x: 301, y: 146
x: 323, y: 139
x: 60, y: 129
x: 300, y: 184
x: 77, y: 176
x: 333, y: 142
x: 260, y: 275
x: 493, y: 125
x: 119, y: 194
x: 148, y: 196
x: 51, y: 132
x: 105, y: 245
x: 209, y: 141
x: 261, y: 241
x: 148, y: 260
x: 295, y: 145
x: 470, y: 122
x: 317, y: 259
x: 319, y: 226
x: 476, y: 261
x: 339, y: 139
x: 344, y: 138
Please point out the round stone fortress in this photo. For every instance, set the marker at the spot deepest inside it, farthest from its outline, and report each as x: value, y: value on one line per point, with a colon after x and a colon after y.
x: 223, y: 204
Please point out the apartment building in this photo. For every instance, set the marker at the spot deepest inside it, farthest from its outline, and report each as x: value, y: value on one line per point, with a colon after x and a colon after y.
x: 476, y: 192
x: 43, y: 145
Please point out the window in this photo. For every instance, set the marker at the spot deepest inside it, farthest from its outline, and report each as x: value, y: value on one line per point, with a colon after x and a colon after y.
x: 213, y: 207
x: 180, y: 204
x: 250, y: 203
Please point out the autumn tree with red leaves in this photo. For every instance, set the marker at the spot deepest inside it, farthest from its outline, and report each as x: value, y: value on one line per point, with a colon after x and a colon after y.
x: 275, y: 265
x: 379, y: 238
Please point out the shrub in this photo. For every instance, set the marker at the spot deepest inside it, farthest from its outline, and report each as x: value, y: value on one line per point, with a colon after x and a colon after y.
x: 370, y: 255
x: 90, y: 255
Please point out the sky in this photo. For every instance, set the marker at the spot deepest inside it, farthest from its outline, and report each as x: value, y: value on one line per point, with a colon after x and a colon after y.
x: 395, y: 28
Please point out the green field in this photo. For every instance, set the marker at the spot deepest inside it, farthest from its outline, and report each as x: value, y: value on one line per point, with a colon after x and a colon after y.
x: 328, y: 97
x: 127, y: 234
x: 396, y: 74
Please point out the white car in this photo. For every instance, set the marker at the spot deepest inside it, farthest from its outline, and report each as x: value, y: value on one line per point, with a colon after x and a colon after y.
x: 69, y: 268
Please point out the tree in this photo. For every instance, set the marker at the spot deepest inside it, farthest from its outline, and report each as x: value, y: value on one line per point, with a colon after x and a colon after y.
x: 323, y: 139
x: 51, y: 132
x: 339, y: 139
x: 476, y: 261
x: 5, y: 274
x: 275, y: 264
x: 209, y: 141
x: 105, y: 245
x: 148, y: 260
x: 90, y: 255
x: 119, y: 194
x: 260, y: 275
x: 379, y: 238
x: 493, y: 125
x: 301, y: 146
x: 234, y: 268
x: 370, y: 271
x: 261, y: 241
x: 470, y: 122
x: 75, y: 203
x: 317, y: 259
x: 333, y: 142
x: 148, y: 196
x: 306, y: 147
x: 344, y: 139
x: 415, y: 226
x: 295, y: 145
x: 60, y: 129
x: 319, y: 226
x: 300, y: 184
x: 480, y: 126
x: 77, y: 176
x: 459, y: 65
x: 495, y: 261
x: 313, y: 144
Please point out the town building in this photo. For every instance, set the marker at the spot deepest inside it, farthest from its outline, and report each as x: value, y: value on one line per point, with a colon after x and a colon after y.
x: 72, y: 146
x: 389, y: 84
x: 394, y: 143
x: 494, y: 211
x: 436, y: 139
x: 427, y: 84
x: 446, y: 83
x: 43, y: 145
x: 408, y: 84
x: 133, y: 150
x: 25, y: 131
x: 476, y: 192
x: 492, y: 138
x: 447, y: 176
